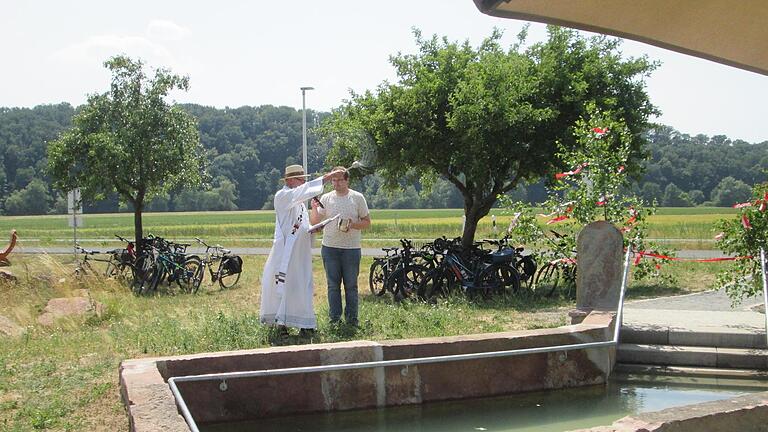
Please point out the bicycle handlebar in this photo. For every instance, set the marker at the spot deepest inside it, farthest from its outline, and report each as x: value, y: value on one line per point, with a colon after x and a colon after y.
x: 86, y: 251
x: 122, y: 239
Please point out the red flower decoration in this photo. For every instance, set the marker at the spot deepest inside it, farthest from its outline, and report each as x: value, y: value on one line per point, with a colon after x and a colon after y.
x: 557, y: 219
x: 745, y: 222
x: 600, y: 131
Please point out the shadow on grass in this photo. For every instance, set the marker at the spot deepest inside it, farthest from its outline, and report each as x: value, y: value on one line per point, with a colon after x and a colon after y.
x: 640, y: 291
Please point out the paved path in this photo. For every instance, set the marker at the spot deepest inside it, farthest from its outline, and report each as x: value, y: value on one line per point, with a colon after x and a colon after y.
x: 715, y: 300
x: 699, y: 315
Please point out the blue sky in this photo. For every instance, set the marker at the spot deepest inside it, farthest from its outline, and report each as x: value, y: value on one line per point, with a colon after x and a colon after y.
x: 260, y: 52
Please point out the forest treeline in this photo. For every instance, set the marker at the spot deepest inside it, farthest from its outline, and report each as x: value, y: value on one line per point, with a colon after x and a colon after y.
x: 248, y: 148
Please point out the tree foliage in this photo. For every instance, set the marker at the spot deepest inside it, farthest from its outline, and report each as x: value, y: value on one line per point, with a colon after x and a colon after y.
x: 129, y: 141
x: 744, y: 236
x: 488, y: 118
x: 596, y: 188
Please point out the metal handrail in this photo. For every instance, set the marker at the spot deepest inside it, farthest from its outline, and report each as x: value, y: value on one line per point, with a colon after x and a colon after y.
x: 765, y: 292
x: 401, y: 362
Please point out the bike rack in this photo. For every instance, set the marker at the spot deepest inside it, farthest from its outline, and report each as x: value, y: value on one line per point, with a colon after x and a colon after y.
x: 402, y: 362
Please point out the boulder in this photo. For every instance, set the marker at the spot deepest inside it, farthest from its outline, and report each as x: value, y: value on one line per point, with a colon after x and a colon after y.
x: 10, y: 328
x: 69, y: 306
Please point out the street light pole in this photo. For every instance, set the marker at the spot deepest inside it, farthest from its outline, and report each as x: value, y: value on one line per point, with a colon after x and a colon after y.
x: 304, y: 125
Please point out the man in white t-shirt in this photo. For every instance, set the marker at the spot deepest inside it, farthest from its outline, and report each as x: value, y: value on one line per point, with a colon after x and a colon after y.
x: 341, y: 244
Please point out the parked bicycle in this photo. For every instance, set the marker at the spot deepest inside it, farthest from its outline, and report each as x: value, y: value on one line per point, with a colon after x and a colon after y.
x: 380, y: 270
x: 167, y: 261
x: 559, y: 273
x: 404, y: 280
x: 229, y: 268
x: 84, y: 266
x: 473, y: 271
x: 121, y: 264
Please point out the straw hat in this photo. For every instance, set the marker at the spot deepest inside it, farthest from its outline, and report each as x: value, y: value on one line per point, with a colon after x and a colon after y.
x: 294, y: 171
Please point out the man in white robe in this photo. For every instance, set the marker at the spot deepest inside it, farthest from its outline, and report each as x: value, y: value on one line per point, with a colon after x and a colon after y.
x: 286, y: 295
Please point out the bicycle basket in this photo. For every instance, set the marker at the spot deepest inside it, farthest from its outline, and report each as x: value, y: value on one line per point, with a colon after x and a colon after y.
x: 502, y: 256
x: 233, y: 264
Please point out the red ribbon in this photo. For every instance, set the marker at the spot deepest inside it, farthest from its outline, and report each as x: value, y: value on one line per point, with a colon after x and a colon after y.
x: 600, y: 131
x: 641, y: 254
x: 578, y: 169
x: 557, y: 219
x: 745, y: 222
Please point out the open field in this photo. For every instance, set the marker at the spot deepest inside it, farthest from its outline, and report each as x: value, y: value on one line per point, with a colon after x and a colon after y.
x: 690, y: 228
x: 65, y: 377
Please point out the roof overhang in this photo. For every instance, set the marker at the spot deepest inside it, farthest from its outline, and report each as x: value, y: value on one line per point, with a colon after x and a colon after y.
x: 734, y: 33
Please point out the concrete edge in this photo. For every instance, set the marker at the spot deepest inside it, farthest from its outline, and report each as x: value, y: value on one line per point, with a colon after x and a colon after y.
x: 743, y: 413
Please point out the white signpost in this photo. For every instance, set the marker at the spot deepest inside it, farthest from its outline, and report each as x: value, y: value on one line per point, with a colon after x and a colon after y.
x: 73, y: 208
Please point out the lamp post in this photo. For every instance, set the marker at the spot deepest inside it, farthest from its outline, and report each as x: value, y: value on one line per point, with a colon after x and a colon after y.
x: 304, y: 125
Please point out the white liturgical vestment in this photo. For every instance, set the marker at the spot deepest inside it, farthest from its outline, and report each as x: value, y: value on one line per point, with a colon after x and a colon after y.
x: 286, y: 294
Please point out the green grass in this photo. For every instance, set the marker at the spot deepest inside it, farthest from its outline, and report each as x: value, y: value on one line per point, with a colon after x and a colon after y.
x: 682, y: 227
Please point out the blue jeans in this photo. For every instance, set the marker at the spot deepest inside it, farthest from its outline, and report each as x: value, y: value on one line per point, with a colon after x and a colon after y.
x: 341, y: 264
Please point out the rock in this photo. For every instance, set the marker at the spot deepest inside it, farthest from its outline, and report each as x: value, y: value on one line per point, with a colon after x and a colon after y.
x: 5, y: 275
x: 10, y: 328
x: 69, y: 306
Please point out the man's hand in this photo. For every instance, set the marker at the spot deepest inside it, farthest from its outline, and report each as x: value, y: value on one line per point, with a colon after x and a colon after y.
x: 336, y: 174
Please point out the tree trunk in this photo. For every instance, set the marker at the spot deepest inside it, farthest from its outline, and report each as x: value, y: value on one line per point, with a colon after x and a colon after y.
x: 477, y: 210
x: 470, y: 226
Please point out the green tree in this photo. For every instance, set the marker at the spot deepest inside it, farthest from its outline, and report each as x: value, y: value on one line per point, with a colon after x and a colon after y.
x: 744, y: 236
x: 129, y: 140
x: 32, y: 200
x: 730, y: 191
x: 696, y: 196
x: 488, y: 119
x: 675, y: 197
x: 651, y: 192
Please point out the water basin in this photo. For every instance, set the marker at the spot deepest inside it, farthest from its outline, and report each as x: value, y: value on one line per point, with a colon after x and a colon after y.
x: 559, y: 410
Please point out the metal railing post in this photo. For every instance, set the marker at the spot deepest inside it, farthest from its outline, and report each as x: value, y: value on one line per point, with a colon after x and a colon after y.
x: 765, y: 292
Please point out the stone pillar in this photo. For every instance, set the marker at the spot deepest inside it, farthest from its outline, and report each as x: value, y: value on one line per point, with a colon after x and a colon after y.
x: 598, y: 279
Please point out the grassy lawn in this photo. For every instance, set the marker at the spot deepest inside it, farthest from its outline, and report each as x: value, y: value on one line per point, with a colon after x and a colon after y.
x: 65, y: 378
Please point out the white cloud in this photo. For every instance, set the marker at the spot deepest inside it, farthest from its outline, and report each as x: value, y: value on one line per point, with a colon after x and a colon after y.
x: 166, y: 30
x: 99, y: 48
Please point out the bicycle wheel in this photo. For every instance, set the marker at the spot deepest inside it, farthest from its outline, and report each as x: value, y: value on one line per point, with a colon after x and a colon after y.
x: 112, y: 270
x: 526, y: 269
x: 376, y: 278
x: 509, y: 276
x: 192, y: 273
x: 146, y: 275
x: 569, y: 282
x: 404, y: 282
x: 227, y: 279
x: 547, y: 280
x: 489, y: 282
x: 199, y: 279
x: 436, y: 283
